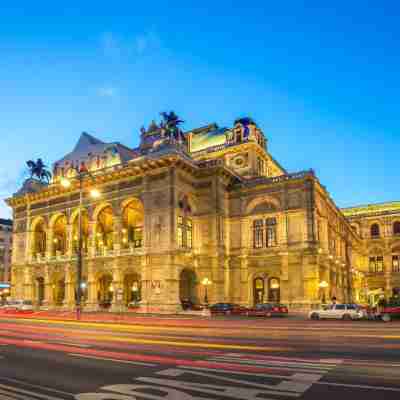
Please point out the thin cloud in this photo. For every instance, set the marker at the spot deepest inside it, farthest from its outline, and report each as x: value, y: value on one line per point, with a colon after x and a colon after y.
x: 107, y: 91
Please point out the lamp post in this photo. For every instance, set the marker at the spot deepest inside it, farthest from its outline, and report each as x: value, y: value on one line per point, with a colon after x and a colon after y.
x: 323, y: 285
x: 206, y: 282
x: 94, y: 193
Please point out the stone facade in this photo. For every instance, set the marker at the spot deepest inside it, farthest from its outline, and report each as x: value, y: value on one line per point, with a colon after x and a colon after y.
x: 378, y: 225
x: 210, y: 203
x: 5, y: 249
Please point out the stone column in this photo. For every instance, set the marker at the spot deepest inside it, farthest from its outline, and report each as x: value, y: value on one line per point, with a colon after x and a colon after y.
x: 387, y: 261
x: 244, y: 281
x: 117, y: 229
x: 92, y: 239
x: 117, y: 302
x: 69, y: 250
x: 92, y: 301
x: 28, y: 284
x: 284, y: 279
x: 70, y: 283
x: 49, y: 243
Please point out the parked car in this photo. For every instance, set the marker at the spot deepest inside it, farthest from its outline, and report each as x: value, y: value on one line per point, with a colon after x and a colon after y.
x: 18, y: 305
x: 189, y: 305
x: 390, y: 311
x: 228, y: 309
x: 268, y: 310
x: 337, y: 311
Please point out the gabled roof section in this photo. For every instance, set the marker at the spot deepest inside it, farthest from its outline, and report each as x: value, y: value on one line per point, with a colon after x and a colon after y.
x: 86, y: 141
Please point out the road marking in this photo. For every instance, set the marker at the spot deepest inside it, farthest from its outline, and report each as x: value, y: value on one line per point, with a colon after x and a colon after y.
x: 143, y: 364
x: 278, y: 366
x: 283, y: 388
x: 12, y: 390
x: 304, y: 377
x: 275, y: 362
x: 36, y: 386
x: 386, y: 388
x: 85, y: 346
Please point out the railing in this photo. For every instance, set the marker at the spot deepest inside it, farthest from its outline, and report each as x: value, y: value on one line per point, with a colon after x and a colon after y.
x: 44, y: 259
x: 277, y: 179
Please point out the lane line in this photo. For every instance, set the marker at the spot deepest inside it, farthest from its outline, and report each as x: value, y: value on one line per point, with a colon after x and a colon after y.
x: 19, y: 391
x: 85, y: 346
x: 143, y: 364
x: 271, y: 365
x: 369, y: 387
x: 13, y: 380
x: 275, y: 362
x: 295, y: 377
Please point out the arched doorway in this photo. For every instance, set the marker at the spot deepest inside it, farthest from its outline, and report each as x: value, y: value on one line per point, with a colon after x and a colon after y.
x: 59, y: 292
x: 39, y: 239
x: 274, y: 290
x: 132, y: 222
x: 40, y: 290
x: 258, y: 290
x: 105, y: 229
x: 105, y: 291
x: 188, y: 286
x: 60, y: 236
x: 132, y: 289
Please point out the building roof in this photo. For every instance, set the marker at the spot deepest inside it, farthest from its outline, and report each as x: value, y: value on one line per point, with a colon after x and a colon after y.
x: 372, y: 209
x: 207, y: 139
x: 7, y: 222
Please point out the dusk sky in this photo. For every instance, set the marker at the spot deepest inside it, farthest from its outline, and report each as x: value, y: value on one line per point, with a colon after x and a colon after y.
x: 322, y: 82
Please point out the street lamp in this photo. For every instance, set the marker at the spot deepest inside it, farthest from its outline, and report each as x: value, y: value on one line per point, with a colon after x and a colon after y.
x: 95, y: 194
x: 323, y: 285
x: 206, y: 282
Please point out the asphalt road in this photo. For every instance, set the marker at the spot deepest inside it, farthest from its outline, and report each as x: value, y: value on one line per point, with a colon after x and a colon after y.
x: 183, y: 359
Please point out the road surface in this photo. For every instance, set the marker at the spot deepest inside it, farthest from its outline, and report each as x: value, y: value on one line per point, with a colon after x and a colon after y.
x: 184, y: 359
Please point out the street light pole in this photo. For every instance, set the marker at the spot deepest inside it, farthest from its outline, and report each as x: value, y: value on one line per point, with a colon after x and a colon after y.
x: 79, y: 255
x: 95, y: 194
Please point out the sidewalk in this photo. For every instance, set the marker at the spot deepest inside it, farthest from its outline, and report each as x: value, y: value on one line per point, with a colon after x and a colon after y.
x: 171, y: 320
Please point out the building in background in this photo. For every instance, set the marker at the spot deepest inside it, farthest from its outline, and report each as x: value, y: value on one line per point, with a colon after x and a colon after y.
x: 6, y: 227
x: 378, y: 225
x: 184, y: 214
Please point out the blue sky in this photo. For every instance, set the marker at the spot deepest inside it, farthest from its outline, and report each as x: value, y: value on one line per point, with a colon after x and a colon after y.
x: 321, y: 81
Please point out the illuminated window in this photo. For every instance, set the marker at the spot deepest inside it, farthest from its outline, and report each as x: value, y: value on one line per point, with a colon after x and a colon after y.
x: 258, y: 233
x: 270, y: 224
x: 185, y: 232
x: 395, y: 263
x: 376, y: 264
x: 375, y: 231
x: 260, y: 166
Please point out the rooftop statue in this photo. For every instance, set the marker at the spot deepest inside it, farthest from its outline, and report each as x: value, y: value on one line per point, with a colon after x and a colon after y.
x: 39, y: 170
x: 170, y: 126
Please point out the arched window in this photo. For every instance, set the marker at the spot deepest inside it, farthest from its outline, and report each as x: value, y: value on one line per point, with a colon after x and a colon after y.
x: 396, y: 228
x: 105, y: 229
x: 60, y: 235
x: 375, y: 230
x: 396, y: 259
x: 185, y: 224
x: 132, y: 219
x: 258, y: 233
x: 270, y: 224
x: 39, y: 241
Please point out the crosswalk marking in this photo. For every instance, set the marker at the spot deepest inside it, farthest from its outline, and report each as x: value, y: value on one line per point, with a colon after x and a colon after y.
x: 22, y: 394
x: 275, y: 365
